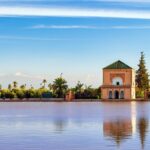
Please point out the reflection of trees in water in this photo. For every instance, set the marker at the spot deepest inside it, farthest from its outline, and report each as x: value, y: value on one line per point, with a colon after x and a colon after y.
x: 142, y: 128
x: 60, y: 125
x: 118, y: 130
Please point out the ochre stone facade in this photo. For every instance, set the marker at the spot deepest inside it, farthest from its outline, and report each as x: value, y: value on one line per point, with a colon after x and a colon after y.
x: 69, y: 96
x: 118, y: 82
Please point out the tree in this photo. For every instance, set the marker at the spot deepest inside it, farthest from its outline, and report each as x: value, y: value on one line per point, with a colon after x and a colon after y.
x: 90, y: 92
x: 86, y: 92
x: 10, y: 95
x: 142, y: 77
x: 5, y: 93
x: 44, y: 82
x: 143, y: 128
x: 23, y: 87
x: 20, y: 93
x: 79, y: 87
x: 50, y: 86
x: 30, y: 93
x: 60, y: 87
x: 15, y: 84
x: 9, y: 87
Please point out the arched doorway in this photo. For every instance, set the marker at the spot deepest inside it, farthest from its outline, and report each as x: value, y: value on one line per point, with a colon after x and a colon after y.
x: 122, y: 95
x: 116, y: 94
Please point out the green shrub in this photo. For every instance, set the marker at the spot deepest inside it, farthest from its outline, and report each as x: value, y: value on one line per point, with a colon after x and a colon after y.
x: 139, y: 94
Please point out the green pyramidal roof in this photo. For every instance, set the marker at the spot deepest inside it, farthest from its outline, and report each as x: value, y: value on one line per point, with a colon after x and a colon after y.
x: 118, y: 65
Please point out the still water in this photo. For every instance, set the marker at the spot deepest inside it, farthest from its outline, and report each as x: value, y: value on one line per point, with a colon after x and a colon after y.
x: 75, y: 126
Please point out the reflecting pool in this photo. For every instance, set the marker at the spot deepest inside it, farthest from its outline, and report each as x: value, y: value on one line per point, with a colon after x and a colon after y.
x: 75, y: 126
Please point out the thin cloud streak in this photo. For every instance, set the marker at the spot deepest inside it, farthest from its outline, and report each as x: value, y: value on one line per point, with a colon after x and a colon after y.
x: 86, y: 27
x: 63, y: 27
x: 71, y: 12
x: 23, y: 75
x: 122, y: 1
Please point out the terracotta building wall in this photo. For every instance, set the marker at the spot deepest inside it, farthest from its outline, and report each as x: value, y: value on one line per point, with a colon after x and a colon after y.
x: 105, y: 92
x: 133, y: 85
x: 128, y: 77
x: 126, y: 74
x: 128, y: 94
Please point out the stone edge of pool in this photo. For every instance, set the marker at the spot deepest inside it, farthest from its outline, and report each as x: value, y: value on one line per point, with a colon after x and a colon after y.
x: 75, y: 100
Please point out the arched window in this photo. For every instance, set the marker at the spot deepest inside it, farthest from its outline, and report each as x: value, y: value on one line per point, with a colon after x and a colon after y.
x: 122, y: 94
x: 117, y: 81
x: 110, y: 95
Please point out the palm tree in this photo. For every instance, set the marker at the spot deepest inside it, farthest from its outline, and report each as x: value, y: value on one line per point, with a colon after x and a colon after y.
x: 50, y: 86
x: 60, y: 87
x: 44, y: 82
x: 79, y: 87
x: 79, y: 90
x: 10, y: 87
x: 15, y: 84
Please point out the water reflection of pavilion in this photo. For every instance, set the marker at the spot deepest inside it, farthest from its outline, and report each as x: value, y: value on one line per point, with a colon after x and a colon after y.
x: 118, y: 130
x: 122, y: 129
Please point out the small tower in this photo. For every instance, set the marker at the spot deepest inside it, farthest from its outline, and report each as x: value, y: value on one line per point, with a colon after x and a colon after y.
x: 118, y: 81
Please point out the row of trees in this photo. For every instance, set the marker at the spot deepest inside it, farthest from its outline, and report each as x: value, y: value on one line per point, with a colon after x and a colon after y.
x: 57, y: 89
x: 85, y: 92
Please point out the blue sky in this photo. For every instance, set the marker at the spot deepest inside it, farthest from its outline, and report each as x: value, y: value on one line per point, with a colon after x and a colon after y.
x: 44, y: 38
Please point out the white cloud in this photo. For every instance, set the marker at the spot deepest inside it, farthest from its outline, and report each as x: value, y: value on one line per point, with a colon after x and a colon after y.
x: 20, y: 74
x: 23, y: 75
x: 63, y: 27
x: 72, y: 12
